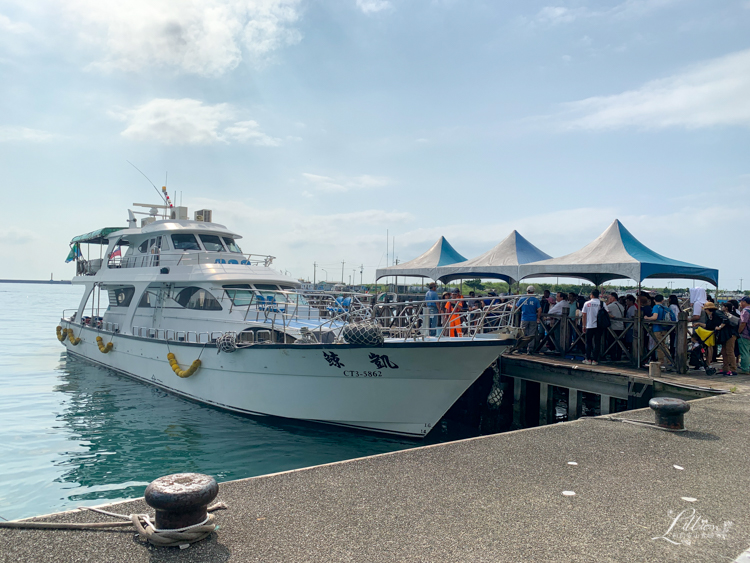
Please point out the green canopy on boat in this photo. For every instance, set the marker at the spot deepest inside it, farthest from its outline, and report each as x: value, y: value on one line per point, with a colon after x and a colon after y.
x: 96, y: 237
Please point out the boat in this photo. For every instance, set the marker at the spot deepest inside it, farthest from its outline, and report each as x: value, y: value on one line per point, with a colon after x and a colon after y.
x: 175, y: 303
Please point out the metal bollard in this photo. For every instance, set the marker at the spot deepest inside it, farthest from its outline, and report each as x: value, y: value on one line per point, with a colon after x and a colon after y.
x: 181, y: 500
x: 669, y: 412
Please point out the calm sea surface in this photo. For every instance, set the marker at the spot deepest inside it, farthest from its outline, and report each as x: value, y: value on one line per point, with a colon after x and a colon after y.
x: 73, y: 434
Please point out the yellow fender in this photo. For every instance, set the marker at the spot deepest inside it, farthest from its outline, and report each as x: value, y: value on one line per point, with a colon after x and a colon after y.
x: 176, y: 367
x: 71, y: 337
x: 61, y: 334
x: 104, y: 349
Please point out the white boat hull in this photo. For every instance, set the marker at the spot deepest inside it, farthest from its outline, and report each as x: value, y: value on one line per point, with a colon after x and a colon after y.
x: 400, y: 388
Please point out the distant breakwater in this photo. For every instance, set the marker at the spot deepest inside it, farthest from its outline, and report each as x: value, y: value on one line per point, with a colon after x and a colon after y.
x: 53, y: 282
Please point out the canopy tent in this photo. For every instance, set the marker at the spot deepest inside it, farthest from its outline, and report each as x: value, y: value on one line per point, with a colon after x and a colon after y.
x: 500, y: 262
x: 617, y: 254
x: 425, y: 265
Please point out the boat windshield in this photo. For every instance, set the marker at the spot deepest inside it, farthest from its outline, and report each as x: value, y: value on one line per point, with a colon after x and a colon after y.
x: 185, y: 242
x: 212, y: 243
x: 231, y: 245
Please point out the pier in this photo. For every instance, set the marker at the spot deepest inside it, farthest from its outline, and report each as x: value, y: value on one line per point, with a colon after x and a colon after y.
x: 534, y: 381
x: 593, y: 489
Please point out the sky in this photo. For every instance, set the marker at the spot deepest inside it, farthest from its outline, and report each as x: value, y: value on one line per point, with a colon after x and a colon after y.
x: 315, y: 127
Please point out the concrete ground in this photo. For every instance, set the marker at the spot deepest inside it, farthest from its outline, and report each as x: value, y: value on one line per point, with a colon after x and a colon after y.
x: 641, y: 494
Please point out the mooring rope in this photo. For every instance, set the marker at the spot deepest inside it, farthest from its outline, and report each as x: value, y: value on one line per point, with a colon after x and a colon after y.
x: 180, y: 537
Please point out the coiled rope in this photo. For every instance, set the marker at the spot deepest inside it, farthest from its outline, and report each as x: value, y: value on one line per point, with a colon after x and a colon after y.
x: 181, y: 537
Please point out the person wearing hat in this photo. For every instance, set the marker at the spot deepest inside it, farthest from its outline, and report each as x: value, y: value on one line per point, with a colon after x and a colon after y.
x: 744, y: 339
x: 531, y: 311
x: 454, y: 308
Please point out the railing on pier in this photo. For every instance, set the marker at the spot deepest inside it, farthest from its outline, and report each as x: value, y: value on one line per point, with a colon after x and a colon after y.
x: 635, y: 342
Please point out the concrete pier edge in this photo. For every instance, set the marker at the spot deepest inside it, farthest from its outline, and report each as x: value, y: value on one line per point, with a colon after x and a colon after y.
x: 489, y: 498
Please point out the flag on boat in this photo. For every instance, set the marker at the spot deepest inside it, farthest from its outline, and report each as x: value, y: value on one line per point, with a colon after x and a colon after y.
x: 115, y: 253
x: 75, y: 253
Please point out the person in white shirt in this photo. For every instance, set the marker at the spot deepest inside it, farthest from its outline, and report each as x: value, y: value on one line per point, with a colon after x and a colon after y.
x: 557, y: 309
x: 589, y: 314
x: 617, y: 312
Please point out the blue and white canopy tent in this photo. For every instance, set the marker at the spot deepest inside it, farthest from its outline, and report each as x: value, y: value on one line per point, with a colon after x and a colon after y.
x: 617, y: 254
x: 500, y: 262
x: 425, y: 265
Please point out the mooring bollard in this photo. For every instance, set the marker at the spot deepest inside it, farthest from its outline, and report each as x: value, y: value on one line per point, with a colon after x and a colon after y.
x: 181, y: 500
x: 654, y: 369
x: 669, y: 412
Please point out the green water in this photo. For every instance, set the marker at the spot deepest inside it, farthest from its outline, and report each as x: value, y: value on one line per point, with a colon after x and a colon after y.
x: 73, y: 434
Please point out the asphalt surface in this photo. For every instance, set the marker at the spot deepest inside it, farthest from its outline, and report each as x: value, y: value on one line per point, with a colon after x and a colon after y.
x: 496, y: 498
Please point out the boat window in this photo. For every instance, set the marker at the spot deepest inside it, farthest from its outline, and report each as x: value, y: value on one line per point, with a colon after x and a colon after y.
x: 148, y: 299
x: 240, y: 297
x: 164, y: 244
x: 197, y: 298
x: 185, y: 242
x: 143, y: 247
x: 231, y: 245
x: 121, y: 297
x: 267, y: 286
x: 212, y: 243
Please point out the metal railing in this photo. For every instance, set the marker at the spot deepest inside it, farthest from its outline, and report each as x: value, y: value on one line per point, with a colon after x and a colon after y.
x: 189, y: 259
x: 325, y: 316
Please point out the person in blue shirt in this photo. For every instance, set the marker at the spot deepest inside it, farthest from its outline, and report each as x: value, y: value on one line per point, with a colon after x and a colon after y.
x: 431, y: 308
x: 531, y: 310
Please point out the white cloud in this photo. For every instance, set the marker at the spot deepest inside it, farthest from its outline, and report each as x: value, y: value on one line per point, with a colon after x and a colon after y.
x: 206, y: 37
x: 244, y: 131
x: 17, y: 28
x: 373, y: 6
x: 713, y: 93
x: 345, y: 184
x: 558, y: 15
x: 190, y: 122
x: 11, y: 134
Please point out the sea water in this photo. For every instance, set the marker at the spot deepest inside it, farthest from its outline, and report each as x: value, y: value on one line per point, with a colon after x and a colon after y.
x: 74, y: 434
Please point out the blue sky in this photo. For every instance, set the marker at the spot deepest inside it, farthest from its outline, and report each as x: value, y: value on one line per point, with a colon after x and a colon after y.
x: 313, y: 126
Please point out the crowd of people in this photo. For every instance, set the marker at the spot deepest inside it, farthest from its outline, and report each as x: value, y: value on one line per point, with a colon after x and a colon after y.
x: 607, y: 323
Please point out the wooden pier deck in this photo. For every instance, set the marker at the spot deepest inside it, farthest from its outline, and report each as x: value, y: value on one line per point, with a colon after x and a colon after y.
x: 720, y: 383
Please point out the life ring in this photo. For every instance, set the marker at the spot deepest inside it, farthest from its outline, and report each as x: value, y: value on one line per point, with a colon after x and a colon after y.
x: 176, y: 367
x: 104, y: 349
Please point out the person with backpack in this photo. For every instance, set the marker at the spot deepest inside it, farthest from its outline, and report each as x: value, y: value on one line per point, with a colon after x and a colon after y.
x: 727, y: 336
x: 591, y: 327
x: 660, y: 312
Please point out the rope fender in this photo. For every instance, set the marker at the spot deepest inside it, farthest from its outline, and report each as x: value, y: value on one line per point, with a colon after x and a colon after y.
x: 176, y: 367
x: 104, y: 349
x: 63, y: 333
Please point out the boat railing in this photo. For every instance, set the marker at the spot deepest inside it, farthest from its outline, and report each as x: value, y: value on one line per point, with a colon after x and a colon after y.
x: 189, y: 259
x: 286, y: 316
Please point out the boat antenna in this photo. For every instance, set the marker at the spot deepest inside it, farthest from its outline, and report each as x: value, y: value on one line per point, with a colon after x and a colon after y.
x: 149, y: 180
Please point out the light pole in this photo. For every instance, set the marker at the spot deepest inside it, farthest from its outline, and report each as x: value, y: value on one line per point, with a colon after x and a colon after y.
x: 326, y: 271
